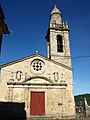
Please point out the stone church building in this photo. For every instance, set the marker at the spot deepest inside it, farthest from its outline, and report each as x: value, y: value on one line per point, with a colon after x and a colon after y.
x: 44, y: 84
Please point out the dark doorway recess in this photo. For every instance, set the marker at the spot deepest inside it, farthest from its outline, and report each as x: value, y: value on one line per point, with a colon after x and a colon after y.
x: 12, y: 111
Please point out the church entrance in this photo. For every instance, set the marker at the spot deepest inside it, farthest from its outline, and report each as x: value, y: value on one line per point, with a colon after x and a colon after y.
x: 37, y: 104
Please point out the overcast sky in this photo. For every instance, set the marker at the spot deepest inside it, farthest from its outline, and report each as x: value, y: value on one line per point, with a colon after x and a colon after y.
x: 28, y: 21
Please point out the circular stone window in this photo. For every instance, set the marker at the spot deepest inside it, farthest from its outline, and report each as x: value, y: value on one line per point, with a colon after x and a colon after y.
x: 37, y: 66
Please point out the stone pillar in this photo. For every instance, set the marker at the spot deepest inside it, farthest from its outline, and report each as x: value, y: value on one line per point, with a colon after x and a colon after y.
x: 10, y: 94
x: 27, y: 102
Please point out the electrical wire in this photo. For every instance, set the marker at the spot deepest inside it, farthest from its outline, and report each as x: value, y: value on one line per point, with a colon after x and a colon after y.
x: 28, y: 61
x: 66, y: 57
x: 77, y: 57
x: 22, y: 32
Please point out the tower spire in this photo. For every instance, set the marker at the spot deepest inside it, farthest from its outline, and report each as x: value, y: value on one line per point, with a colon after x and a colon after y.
x: 56, y: 3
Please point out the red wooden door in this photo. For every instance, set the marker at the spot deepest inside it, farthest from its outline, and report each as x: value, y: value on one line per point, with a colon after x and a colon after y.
x: 37, y: 104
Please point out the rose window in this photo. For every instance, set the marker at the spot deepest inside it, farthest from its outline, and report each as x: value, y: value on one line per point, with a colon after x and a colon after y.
x: 37, y: 66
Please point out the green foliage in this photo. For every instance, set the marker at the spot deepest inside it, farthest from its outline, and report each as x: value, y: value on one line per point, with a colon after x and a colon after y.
x: 80, y: 98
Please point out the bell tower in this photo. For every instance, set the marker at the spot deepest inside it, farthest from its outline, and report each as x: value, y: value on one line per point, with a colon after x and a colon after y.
x: 58, y: 47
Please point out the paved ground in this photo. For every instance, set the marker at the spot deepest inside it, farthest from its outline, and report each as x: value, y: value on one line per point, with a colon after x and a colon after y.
x: 83, y: 118
x: 79, y: 118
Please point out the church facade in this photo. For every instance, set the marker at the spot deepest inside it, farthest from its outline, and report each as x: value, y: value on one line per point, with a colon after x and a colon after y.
x: 45, y: 85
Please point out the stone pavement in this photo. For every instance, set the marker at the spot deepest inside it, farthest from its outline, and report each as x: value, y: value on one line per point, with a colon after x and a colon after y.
x: 79, y: 118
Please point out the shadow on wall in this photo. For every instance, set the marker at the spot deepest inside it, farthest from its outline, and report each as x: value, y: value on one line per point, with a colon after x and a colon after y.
x: 12, y: 111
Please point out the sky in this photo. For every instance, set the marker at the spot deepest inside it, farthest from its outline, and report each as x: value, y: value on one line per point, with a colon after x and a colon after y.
x: 28, y: 21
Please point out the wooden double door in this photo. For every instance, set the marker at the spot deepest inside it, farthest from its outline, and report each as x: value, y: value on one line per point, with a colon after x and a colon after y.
x: 37, y: 103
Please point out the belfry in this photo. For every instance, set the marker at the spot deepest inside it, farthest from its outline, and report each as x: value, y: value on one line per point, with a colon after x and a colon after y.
x: 44, y: 84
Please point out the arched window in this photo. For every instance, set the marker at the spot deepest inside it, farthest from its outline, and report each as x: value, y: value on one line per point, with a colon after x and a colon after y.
x: 59, y: 43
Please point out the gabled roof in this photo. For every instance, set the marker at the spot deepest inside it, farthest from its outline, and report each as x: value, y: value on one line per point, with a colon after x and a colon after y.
x: 35, y: 55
